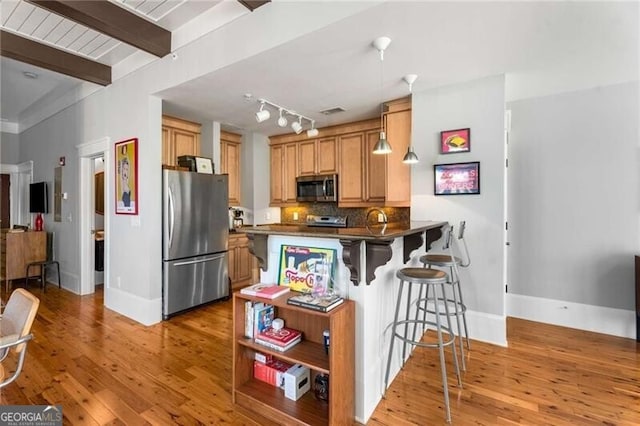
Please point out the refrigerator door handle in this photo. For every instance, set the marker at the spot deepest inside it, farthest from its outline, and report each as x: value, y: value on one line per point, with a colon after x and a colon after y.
x: 171, y: 217
x: 206, y: 259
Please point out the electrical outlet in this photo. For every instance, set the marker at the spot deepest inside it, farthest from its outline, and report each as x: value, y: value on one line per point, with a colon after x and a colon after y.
x: 118, y: 282
x: 267, y: 216
x: 295, y: 215
x: 380, y: 217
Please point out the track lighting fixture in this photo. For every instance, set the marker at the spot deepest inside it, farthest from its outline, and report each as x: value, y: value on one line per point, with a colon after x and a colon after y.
x: 282, y: 121
x: 263, y: 114
x: 312, y: 132
x: 297, y: 125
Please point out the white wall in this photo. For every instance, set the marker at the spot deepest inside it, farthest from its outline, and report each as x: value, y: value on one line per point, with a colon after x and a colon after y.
x: 574, y: 186
x: 9, y: 148
x: 478, y: 105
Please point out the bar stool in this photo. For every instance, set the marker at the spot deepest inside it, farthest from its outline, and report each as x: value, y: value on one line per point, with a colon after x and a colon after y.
x: 424, y: 277
x: 449, y: 260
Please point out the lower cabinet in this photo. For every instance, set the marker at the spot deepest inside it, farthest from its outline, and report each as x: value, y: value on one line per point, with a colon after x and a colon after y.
x: 241, y: 262
x: 338, y: 364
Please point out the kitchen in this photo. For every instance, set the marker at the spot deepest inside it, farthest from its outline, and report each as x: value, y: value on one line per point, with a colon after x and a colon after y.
x: 135, y: 106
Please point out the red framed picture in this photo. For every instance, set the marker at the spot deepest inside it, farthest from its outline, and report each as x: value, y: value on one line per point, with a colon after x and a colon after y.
x: 456, y: 179
x: 127, y: 196
x: 452, y: 141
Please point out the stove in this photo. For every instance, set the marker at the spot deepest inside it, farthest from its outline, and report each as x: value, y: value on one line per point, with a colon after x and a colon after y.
x: 327, y: 221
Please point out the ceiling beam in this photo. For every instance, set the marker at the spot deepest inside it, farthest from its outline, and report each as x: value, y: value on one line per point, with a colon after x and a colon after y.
x: 253, y: 4
x: 114, y: 21
x: 43, y: 56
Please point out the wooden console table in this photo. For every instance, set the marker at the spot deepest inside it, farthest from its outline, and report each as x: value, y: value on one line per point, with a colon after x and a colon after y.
x: 17, y: 250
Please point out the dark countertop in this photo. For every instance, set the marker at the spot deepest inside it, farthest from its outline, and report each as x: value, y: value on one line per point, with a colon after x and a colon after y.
x: 391, y: 231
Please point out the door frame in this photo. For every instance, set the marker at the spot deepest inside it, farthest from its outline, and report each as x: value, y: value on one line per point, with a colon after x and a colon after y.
x: 87, y: 152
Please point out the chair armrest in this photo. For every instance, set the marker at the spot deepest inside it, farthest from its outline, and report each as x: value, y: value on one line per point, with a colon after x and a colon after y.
x: 13, y: 340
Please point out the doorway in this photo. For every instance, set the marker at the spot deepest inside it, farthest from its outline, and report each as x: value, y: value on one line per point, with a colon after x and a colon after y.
x: 5, y: 201
x: 94, y: 157
x: 98, y: 221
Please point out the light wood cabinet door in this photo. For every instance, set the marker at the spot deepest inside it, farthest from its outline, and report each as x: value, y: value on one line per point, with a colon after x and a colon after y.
x: 290, y: 170
x: 276, y: 174
x: 351, y: 173
x: 376, y: 171
x: 398, y: 174
x: 179, y: 137
x: 241, y: 261
x: 327, y: 162
x: 307, y: 155
x: 230, y: 164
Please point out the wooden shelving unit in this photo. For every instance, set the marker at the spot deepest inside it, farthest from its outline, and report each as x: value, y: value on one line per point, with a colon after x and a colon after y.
x: 269, y: 401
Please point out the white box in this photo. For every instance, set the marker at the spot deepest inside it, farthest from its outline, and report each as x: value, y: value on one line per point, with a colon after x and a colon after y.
x: 297, y: 381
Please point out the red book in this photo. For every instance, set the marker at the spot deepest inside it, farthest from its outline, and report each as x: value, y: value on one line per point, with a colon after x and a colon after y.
x: 267, y: 291
x: 281, y: 337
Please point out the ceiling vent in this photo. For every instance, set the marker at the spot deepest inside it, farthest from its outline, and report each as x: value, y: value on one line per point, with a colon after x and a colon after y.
x: 332, y: 110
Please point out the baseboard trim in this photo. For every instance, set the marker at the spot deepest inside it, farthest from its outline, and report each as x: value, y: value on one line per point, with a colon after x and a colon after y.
x: 599, y: 319
x: 145, y: 311
x: 487, y: 328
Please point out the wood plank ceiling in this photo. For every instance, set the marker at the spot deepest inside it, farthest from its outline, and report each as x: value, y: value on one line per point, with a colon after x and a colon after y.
x: 70, y: 37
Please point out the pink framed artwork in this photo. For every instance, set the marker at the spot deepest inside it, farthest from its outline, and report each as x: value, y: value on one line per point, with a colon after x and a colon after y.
x: 127, y: 195
x: 452, y: 141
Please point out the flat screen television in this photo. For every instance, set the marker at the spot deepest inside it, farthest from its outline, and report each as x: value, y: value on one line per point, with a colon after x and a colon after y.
x: 38, y: 198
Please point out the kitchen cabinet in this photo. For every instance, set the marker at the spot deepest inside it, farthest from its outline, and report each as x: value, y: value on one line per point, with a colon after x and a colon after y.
x: 230, y: 144
x: 383, y: 180
x: 241, y: 261
x: 284, y: 169
x: 317, y: 157
x: 179, y: 137
x: 339, y: 364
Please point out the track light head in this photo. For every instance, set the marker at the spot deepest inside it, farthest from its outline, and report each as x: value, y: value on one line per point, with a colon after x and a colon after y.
x: 263, y: 114
x: 297, y: 125
x: 282, y: 121
x: 312, y: 132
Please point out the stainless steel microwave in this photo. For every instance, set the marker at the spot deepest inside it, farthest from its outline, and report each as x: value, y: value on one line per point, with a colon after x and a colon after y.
x: 319, y: 188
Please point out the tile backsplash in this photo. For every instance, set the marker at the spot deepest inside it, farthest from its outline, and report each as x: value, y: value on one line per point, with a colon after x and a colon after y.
x: 356, y: 216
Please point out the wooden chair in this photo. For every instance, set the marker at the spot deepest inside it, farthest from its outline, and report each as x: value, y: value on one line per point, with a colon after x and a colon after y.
x: 15, y: 328
x: 44, y: 264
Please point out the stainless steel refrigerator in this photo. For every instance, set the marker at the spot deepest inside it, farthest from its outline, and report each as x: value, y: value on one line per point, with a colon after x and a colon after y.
x: 195, y: 231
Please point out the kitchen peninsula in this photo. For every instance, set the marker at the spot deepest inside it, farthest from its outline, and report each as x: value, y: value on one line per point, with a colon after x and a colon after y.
x: 367, y: 262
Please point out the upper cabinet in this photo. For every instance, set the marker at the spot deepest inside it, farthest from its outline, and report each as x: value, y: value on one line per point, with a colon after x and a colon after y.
x: 179, y: 137
x: 230, y: 163
x: 317, y: 156
x: 364, y: 179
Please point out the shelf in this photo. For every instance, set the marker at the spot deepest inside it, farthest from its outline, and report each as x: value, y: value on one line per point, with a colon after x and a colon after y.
x: 306, y: 411
x: 309, y: 354
x: 268, y: 401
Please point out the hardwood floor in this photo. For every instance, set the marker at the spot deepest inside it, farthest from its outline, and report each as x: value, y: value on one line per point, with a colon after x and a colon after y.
x: 106, y: 369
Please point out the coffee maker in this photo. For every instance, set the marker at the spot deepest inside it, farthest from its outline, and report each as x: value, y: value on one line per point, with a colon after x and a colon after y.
x: 235, y: 218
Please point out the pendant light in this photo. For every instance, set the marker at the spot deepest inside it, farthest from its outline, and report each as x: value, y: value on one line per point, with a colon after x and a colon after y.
x: 382, y: 146
x: 410, y: 157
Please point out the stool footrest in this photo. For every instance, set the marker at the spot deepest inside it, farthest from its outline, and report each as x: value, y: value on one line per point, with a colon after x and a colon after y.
x: 449, y: 341
x: 460, y: 308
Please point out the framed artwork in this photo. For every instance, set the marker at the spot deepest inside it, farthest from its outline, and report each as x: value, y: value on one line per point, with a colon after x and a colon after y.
x: 127, y: 195
x: 456, y: 179
x: 307, y: 269
x: 452, y: 141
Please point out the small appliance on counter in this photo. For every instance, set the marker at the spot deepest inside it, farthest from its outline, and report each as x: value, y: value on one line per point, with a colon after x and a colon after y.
x: 327, y: 221
x: 235, y: 218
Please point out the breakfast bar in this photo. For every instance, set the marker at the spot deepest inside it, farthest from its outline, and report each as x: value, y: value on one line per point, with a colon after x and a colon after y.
x: 365, y: 273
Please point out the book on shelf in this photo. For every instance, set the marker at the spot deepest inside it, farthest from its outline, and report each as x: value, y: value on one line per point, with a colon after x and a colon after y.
x: 267, y: 291
x: 271, y: 372
x: 316, y: 303
x: 280, y: 340
x: 263, y: 315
